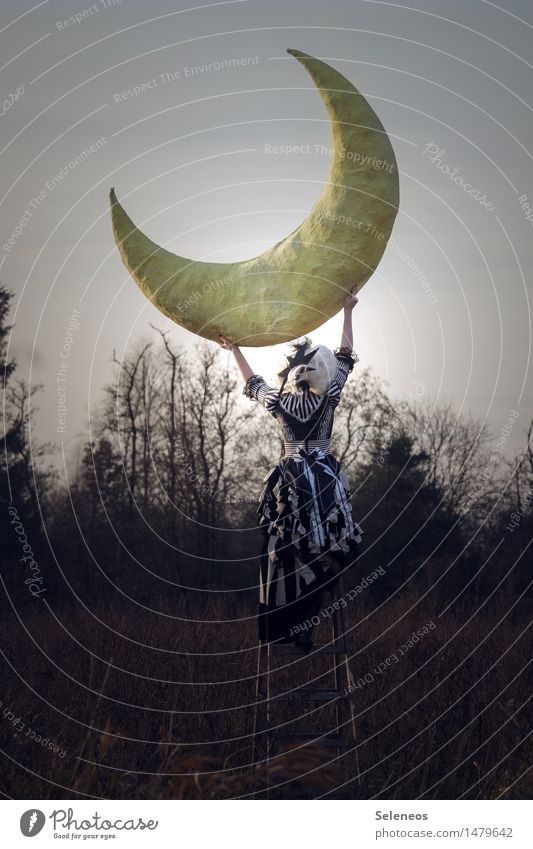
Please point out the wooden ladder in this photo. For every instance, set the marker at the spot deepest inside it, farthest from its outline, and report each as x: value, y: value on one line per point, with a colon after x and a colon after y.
x: 268, y: 736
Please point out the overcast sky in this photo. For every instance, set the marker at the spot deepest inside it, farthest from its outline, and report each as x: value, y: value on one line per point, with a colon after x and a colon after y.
x: 187, y: 157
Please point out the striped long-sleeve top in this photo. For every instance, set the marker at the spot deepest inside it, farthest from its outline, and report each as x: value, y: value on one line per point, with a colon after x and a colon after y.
x: 303, y: 416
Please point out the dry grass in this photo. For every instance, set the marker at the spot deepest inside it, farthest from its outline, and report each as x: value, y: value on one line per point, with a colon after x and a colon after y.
x: 151, y: 707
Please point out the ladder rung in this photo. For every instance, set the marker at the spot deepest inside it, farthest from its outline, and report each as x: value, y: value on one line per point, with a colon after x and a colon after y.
x: 311, y: 695
x: 330, y: 648
x: 324, y: 742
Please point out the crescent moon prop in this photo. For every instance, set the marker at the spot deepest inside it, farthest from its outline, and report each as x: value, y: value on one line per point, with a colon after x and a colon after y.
x: 301, y: 282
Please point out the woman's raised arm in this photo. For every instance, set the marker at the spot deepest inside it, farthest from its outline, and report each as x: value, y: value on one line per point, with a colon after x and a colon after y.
x: 350, y: 301
x: 241, y: 361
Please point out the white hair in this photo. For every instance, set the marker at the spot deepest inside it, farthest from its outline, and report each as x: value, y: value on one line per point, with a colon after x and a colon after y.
x: 317, y: 372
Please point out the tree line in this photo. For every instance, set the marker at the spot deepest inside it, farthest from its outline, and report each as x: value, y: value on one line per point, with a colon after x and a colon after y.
x: 162, y: 495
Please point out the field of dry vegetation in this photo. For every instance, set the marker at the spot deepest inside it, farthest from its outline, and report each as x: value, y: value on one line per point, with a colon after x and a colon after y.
x: 162, y: 708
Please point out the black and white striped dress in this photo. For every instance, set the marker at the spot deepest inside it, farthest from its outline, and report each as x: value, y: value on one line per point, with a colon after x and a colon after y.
x: 304, y: 507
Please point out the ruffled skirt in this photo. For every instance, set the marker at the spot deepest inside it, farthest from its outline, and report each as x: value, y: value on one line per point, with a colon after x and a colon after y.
x: 304, y: 512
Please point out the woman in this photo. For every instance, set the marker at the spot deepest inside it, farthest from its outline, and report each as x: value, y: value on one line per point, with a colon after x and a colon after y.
x: 309, y: 535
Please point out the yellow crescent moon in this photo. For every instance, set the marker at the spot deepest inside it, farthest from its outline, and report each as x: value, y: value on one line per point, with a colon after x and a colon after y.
x: 299, y: 283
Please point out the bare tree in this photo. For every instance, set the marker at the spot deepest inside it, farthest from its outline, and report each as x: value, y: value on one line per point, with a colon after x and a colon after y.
x: 24, y: 455
x: 168, y: 411
x: 128, y: 397
x: 365, y: 418
x: 176, y: 421
x: 517, y: 495
x: 461, y: 461
x: 210, y: 429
